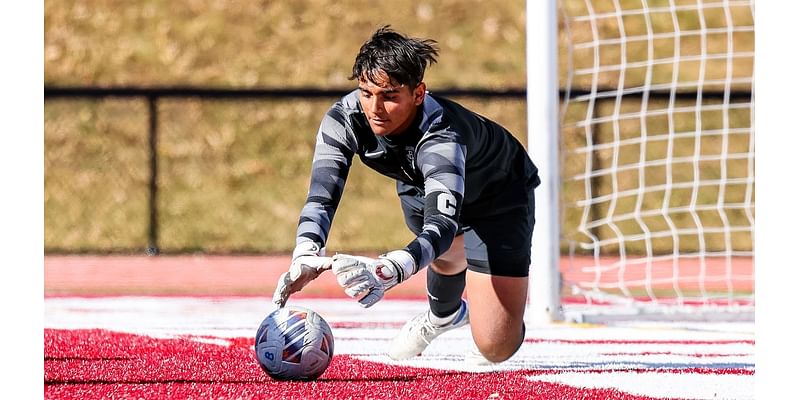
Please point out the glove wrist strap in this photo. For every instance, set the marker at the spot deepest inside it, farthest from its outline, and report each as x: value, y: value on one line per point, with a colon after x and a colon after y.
x: 307, y: 248
x: 403, y: 262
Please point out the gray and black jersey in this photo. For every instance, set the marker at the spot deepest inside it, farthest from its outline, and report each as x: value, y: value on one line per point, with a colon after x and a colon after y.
x: 466, y: 167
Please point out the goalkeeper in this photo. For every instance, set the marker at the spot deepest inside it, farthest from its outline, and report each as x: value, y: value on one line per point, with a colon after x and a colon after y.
x: 466, y: 189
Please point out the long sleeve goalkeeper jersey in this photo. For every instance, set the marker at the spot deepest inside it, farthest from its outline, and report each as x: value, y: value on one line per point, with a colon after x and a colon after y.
x: 466, y: 166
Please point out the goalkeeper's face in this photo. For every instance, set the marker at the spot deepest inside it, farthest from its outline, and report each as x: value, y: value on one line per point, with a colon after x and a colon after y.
x: 389, y: 108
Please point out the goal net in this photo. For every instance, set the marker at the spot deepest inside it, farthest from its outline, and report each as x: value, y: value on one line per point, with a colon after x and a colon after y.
x: 656, y: 158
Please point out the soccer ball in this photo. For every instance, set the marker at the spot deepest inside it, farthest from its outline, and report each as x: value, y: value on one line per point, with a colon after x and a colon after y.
x: 294, y: 343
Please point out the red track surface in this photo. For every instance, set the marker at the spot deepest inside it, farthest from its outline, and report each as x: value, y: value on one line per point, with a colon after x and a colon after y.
x: 256, y: 275
x: 187, y: 275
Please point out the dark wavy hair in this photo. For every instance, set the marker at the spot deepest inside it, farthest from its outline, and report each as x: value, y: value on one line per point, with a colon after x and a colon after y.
x: 402, y: 58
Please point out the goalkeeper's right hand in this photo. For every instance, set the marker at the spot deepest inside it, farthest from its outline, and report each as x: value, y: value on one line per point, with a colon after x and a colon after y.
x: 307, y: 264
x: 367, y: 279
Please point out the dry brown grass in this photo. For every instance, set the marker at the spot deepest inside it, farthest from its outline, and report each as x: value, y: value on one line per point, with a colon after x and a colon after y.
x: 234, y: 173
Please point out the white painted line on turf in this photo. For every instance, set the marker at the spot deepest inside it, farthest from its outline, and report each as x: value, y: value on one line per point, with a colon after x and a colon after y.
x: 657, y: 384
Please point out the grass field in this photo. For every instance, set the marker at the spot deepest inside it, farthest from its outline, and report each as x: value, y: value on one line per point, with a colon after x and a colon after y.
x: 233, y: 174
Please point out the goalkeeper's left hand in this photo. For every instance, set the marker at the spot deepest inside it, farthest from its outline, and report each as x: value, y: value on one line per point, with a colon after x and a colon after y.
x: 307, y: 264
x: 368, y: 279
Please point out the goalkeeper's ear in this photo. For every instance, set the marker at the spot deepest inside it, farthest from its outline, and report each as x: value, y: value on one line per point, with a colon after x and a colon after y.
x: 419, y: 93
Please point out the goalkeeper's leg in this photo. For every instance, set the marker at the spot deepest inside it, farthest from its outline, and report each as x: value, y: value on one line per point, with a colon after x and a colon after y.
x: 497, y: 312
x: 446, y: 282
x: 498, y: 251
x: 498, y: 328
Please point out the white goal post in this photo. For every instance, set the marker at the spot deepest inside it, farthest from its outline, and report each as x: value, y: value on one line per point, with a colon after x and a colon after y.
x: 640, y: 119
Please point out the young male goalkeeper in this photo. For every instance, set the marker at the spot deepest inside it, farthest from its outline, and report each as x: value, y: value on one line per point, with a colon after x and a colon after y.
x: 466, y: 190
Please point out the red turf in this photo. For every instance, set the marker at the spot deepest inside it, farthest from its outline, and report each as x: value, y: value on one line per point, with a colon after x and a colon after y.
x: 90, y: 364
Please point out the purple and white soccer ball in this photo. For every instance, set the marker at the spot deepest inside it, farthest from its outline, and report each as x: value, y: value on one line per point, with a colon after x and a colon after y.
x: 294, y: 343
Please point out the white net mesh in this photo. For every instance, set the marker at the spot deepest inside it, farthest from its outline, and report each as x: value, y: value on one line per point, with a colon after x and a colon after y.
x: 658, y: 154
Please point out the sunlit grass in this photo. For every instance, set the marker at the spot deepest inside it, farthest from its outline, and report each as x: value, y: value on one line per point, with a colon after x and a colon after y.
x: 233, y: 175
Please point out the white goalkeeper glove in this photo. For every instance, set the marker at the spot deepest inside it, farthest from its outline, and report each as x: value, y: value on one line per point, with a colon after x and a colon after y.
x: 307, y: 264
x: 367, y: 279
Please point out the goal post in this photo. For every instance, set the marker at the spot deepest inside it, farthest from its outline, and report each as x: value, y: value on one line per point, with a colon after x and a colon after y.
x: 640, y: 118
x: 543, y: 146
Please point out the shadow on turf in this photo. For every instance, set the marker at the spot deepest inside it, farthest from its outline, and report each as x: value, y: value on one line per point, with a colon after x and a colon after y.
x: 86, y: 358
x: 390, y: 378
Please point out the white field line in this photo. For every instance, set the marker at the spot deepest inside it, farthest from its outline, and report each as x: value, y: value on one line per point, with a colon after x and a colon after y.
x: 657, y: 384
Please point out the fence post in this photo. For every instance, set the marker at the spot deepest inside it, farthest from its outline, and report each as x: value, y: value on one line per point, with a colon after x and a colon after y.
x: 152, y: 234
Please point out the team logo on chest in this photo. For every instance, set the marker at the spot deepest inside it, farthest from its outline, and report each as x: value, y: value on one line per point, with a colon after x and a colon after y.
x: 410, y: 155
